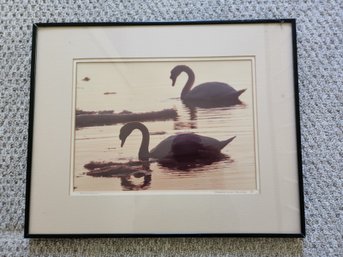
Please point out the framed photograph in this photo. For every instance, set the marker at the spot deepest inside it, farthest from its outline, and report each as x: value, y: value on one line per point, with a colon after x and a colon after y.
x: 164, y: 129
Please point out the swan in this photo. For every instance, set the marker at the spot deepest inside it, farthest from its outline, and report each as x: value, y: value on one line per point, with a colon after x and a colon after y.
x: 187, y: 145
x: 209, y: 94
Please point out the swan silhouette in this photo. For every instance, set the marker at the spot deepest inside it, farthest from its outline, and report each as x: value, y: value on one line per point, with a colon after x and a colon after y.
x: 180, y: 147
x: 209, y: 94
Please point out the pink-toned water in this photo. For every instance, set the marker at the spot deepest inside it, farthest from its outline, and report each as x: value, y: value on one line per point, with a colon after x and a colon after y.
x: 237, y: 172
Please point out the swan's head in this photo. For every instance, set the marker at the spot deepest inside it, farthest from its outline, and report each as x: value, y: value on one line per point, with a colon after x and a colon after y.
x: 175, y: 72
x: 124, y: 133
x: 173, y: 76
x: 122, y: 139
x: 127, y: 129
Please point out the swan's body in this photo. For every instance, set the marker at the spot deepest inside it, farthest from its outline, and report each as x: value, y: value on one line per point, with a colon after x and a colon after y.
x: 176, y: 146
x: 209, y: 94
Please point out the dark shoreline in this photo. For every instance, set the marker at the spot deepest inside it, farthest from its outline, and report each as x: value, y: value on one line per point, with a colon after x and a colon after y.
x: 90, y: 119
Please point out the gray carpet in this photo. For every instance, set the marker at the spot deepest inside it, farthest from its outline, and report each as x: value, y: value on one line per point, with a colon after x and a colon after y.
x: 320, y: 52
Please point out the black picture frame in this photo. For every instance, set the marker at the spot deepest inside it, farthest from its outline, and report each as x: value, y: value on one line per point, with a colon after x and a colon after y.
x: 37, y: 163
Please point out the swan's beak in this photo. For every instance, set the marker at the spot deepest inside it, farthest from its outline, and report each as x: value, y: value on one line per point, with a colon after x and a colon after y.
x: 122, y: 143
x: 173, y: 81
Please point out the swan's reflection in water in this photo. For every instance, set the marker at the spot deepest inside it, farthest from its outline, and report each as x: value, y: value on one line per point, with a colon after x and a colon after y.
x: 133, y: 175
x: 192, y: 163
x: 212, y: 104
x: 136, y: 176
x: 194, y: 112
x: 129, y: 184
x: 181, y: 125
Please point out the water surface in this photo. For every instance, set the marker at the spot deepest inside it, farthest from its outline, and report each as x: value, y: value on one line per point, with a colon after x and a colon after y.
x: 134, y: 87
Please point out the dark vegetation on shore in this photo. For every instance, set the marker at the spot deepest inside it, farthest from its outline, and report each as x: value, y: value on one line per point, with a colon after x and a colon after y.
x: 108, y: 117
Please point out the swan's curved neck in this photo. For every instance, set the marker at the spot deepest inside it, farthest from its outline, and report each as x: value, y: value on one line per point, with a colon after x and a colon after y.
x: 189, y: 82
x: 143, y: 153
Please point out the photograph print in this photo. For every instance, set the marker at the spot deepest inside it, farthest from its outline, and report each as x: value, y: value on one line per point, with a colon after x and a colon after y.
x: 165, y: 124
